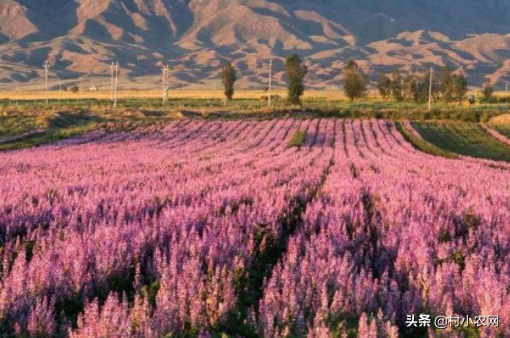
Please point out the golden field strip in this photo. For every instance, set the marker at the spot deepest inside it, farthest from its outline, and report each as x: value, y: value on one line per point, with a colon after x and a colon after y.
x: 156, y: 94
x: 199, y: 94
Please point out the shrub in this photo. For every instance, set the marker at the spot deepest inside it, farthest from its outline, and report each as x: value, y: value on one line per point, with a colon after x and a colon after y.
x: 298, y: 139
x: 485, y: 117
x: 488, y: 91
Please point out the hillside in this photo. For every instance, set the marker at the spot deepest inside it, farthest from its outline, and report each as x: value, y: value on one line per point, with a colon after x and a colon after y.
x: 80, y: 37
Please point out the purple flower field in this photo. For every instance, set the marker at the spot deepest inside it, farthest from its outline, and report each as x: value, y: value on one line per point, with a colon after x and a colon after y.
x: 219, y: 229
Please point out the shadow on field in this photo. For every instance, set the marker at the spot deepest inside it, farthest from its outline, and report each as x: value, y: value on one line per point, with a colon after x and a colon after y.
x: 153, y: 113
x: 68, y: 120
x: 52, y: 128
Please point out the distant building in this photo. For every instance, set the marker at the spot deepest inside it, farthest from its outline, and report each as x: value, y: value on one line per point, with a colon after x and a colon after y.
x: 93, y: 89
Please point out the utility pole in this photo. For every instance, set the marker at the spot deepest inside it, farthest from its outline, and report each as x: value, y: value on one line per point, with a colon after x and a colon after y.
x: 507, y: 88
x: 164, y: 81
x: 112, y: 80
x: 167, y: 81
x: 270, y: 82
x: 430, y: 88
x: 46, y: 69
x: 116, y: 84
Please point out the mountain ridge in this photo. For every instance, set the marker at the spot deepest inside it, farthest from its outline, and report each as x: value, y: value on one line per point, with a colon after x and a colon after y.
x: 81, y: 37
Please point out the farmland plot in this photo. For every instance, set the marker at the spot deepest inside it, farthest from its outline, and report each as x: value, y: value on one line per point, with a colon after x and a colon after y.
x: 202, y: 229
x: 465, y: 139
x: 503, y: 129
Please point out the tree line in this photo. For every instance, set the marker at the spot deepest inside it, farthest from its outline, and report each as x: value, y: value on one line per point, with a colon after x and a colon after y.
x: 295, y: 69
x: 446, y: 85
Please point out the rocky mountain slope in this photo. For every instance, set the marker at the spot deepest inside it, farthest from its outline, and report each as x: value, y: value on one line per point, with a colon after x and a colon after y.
x: 80, y: 37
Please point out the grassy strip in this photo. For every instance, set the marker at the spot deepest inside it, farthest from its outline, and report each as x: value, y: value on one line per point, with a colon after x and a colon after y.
x: 213, y: 108
x: 11, y: 126
x: 46, y: 138
x: 502, y: 129
x: 467, y: 139
x: 21, y: 136
x: 60, y: 125
x: 422, y: 145
x: 55, y: 127
x: 298, y: 139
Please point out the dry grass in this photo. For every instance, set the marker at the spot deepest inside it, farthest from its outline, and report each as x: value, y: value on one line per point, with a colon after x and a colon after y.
x: 502, y: 119
x: 501, y: 93
x: 173, y: 94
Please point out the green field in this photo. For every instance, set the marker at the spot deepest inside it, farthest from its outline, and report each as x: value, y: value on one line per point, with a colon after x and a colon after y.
x: 504, y: 130
x: 422, y: 145
x: 11, y: 126
x: 323, y: 105
x: 468, y: 139
x: 55, y: 126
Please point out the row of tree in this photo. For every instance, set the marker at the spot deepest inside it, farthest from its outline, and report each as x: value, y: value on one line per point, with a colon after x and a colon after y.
x: 447, y: 86
x: 295, y: 69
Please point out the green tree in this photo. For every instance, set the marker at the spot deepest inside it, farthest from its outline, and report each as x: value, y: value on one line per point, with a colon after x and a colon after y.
x: 413, y: 87
x: 384, y: 85
x: 488, y: 91
x: 355, y: 82
x: 460, y: 87
x: 436, y: 85
x: 396, y: 86
x: 228, y: 78
x: 407, y: 86
x: 417, y: 86
x: 447, y: 84
x: 420, y: 87
x: 296, y: 72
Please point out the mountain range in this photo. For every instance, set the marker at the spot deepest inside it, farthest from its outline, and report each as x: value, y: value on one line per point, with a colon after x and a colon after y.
x: 80, y: 38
